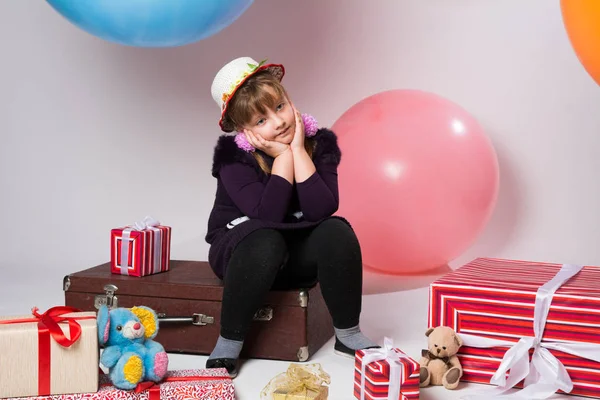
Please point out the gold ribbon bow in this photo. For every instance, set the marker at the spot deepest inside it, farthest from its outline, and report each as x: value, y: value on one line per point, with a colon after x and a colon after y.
x: 298, y: 380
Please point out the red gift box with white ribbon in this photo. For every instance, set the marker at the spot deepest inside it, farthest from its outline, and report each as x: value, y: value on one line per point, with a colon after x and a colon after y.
x: 385, y: 373
x: 140, y: 249
x: 528, y: 325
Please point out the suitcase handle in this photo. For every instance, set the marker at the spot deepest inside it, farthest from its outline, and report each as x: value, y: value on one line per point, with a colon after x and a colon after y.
x: 195, y: 319
x: 112, y: 301
x: 263, y: 314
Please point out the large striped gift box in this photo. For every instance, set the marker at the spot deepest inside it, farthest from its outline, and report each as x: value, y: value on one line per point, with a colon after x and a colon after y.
x: 141, y: 249
x: 493, y: 300
x: 393, y: 369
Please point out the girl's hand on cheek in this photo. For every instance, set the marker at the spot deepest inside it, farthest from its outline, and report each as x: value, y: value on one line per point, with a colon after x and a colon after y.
x: 298, y: 141
x: 269, y: 147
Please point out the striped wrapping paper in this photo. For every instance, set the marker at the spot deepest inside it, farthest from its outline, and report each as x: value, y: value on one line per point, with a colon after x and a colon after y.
x: 377, y: 377
x: 495, y: 298
x: 146, y: 255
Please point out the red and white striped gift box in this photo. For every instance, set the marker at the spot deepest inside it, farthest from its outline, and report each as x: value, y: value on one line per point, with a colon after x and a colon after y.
x: 495, y: 298
x: 141, y: 251
x: 377, y: 377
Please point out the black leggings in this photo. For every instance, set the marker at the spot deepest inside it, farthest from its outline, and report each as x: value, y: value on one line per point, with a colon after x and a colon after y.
x: 270, y: 259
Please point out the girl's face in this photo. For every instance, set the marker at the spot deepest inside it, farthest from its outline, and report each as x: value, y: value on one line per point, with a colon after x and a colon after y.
x: 277, y: 123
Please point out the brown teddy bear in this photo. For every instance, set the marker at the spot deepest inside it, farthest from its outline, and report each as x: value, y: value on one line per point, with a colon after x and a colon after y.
x: 439, y: 364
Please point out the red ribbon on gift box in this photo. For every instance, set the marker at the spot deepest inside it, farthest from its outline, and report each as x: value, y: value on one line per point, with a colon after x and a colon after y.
x: 48, y: 327
x: 154, y: 388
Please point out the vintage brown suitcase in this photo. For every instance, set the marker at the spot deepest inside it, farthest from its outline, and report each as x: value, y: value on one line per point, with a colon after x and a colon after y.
x: 292, y: 325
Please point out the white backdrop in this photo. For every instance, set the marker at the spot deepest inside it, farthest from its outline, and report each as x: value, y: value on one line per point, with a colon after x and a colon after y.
x: 96, y: 135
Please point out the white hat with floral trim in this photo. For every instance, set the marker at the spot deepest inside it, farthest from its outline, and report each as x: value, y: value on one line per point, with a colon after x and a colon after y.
x: 231, y: 77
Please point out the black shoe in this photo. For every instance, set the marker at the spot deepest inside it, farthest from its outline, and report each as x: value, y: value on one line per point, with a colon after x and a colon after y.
x: 342, y: 350
x: 230, y: 364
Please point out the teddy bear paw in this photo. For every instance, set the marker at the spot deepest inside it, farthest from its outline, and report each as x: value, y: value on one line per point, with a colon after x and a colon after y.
x: 128, y: 372
x: 451, y: 378
x: 133, y: 369
x: 424, y: 377
x: 161, y: 364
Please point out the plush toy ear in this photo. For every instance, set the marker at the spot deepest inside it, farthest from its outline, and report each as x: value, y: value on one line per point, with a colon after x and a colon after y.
x: 458, y: 340
x: 103, y: 321
x: 149, y: 319
x: 428, y: 332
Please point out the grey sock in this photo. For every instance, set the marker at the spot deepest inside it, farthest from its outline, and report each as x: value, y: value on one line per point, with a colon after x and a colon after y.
x: 353, y: 338
x: 226, y: 348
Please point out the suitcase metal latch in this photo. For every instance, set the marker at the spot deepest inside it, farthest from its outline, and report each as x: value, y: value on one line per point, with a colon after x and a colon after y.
x: 109, y: 299
x: 264, y: 314
x: 202, y: 319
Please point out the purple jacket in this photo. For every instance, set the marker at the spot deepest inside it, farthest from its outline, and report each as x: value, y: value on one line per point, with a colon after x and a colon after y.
x: 269, y: 201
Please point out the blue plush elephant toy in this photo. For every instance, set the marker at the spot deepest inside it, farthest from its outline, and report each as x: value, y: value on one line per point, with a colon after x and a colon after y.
x: 129, y: 353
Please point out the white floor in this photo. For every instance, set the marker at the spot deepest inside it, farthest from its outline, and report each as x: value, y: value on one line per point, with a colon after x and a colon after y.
x: 398, y: 310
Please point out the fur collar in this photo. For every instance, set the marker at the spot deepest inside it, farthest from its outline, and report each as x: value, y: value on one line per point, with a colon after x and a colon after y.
x: 227, y: 151
x: 327, y: 150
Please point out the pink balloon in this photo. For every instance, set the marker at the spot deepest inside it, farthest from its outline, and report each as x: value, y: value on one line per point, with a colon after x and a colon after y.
x: 418, y: 179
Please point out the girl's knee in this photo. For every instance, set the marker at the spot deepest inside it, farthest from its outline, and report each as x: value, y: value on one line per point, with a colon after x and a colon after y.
x: 335, y: 230
x: 263, y: 246
x: 268, y: 240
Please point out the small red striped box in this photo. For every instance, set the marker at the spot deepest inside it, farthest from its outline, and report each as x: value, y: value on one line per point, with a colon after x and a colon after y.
x: 495, y: 298
x: 140, y: 252
x: 377, y: 377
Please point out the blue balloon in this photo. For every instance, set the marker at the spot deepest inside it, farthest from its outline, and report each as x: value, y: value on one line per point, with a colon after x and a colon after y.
x: 151, y: 23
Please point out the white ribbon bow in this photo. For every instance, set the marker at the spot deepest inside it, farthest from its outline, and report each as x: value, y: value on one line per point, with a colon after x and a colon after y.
x: 147, y: 223
x: 396, y: 371
x: 545, y: 374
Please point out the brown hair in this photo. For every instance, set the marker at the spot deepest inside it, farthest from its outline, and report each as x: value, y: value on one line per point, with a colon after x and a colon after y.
x: 254, y: 97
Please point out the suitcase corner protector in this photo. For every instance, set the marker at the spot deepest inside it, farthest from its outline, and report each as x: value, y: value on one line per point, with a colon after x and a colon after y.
x: 303, y: 298
x: 303, y: 353
x: 66, y: 282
